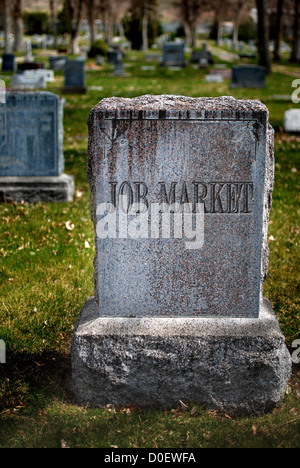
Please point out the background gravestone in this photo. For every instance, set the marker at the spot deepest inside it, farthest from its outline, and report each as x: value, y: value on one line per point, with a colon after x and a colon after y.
x: 21, y: 81
x: 167, y: 322
x: 8, y: 62
x: 74, y: 77
x: 292, y: 121
x: 31, y: 149
x: 248, y: 76
x: 57, y: 63
x: 173, y: 54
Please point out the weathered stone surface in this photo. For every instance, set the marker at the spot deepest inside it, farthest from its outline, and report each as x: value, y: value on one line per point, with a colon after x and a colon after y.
x: 217, y: 151
x: 31, y: 135
x: 240, y: 366
x: 37, y: 189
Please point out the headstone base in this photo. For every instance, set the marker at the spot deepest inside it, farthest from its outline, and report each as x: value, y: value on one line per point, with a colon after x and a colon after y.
x: 74, y: 90
x: 37, y: 189
x: 240, y: 366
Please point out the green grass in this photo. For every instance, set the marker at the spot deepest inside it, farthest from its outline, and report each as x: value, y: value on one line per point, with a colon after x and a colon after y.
x: 46, y: 274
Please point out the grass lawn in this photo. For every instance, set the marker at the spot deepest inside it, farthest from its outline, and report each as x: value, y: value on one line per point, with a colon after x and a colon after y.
x: 46, y: 274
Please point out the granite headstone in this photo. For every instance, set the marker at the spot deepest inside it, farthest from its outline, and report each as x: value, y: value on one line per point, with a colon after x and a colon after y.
x: 21, y: 81
x: 48, y: 75
x: 57, y: 63
x: 31, y: 148
x: 248, y: 76
x: 181, y: 192
x: 8, y: 62
x: 119, y: 65
x: 173, y: 54
x: 74, y: 77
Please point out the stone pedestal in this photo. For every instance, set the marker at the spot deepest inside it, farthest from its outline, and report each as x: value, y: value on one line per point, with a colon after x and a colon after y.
x: 240, y: 366
x: 37, y: 189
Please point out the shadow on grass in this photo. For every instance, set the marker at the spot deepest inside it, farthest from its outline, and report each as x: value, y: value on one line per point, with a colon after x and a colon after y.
x: 34, y: 379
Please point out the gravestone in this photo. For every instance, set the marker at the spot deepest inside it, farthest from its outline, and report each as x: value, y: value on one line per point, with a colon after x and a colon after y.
x: 173, y: 55
x: 99, y: 60
x: 74, y: 77
x: 203, y: 58
x: 292, y: 121
x: 226, y: 73
x: 28, y: 51
x: 57, y: 63
x: 248, y: 76
x: 8, y: 62
x: 181, y: 193
x: 28, y: 82
x: 31, y: 149
x: 112, y: 56
x: 119, y: 65
x: 214, y: 78
x: 48, y: 75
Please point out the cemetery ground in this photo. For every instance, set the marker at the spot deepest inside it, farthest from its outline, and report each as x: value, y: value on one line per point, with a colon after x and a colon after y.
x: 46, y: 274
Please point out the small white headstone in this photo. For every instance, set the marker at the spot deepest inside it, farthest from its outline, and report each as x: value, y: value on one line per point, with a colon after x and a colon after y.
x: 35, y: 74
x: 292, y: 120
x: 21, y: 81
x: 214, y: 79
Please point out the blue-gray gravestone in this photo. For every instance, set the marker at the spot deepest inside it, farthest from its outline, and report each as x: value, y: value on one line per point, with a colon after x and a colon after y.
x: 74, y: 77
x: 31, y: 148
x: 178, y: 311
x: 248, y: 76
x: 8, y: 62
x: 173, y: 54
x: 57, y: 63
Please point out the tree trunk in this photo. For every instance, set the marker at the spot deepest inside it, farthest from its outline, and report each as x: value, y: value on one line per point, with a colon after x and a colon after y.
x: 19, y: 34
x: 188, y: 34
x: 110, y: 30
x: 90, y: 4
x: 278, y: 30
x: 121, y: 30
x: 194, y: 36
x: 263, y: 36
x: 236, y: 25
x: 74, y: 45
x: 74, y: 8
x: 145, y: 28
x: 18, y: 26
x: 7, y: 28
x: 53, y: 22
x: 219, y: 33
x: 295, y: 57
